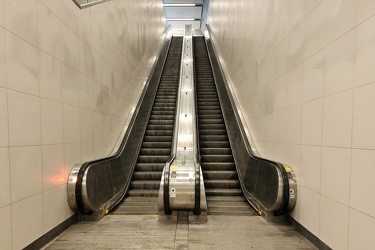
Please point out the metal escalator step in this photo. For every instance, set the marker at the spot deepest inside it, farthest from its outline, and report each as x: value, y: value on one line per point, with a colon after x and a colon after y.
x: 213, y: 138
x: 216, y: 151
x: 222, y: 184
x: 220, y: 174
x: 147, y: 175
x: 212, y: 132
x: 157, y: 139
x: 141, y: 210
x: 213, y: 126
x: 211, y: 119
x: 161, y: 122
x: 218, y: 166
x: 164, y: 144
x: 217, y: 158
x: 159, y: 127
x: 141, y: 199
x: 143, y: 192
x: 153, y: 158
x: 145, y: 184
x: 226, y: 199
x: 159, y: 132
x: 214, y: 144
x: 149, y: 166
x: 162, y: 112
x: 223, y: 192
x: 155, y: 151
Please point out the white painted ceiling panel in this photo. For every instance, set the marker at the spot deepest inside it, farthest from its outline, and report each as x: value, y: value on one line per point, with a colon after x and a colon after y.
x: 183, y: 12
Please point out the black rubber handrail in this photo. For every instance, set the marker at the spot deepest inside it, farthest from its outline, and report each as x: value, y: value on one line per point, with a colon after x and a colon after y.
x: 229, y: 110
x: 119, y: 160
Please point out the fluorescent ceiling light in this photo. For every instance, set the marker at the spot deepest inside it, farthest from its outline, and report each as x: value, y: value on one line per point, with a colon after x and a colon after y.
x: 181, y: 19
x: 179, y: 4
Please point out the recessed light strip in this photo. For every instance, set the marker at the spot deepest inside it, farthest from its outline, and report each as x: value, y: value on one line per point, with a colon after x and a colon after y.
x: 181, y: 5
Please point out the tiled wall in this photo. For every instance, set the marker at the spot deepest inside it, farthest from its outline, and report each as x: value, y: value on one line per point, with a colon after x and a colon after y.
x: 303, y: 73
x: 68, y: 81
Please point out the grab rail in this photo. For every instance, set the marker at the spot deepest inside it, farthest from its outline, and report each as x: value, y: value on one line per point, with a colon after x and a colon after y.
x: 268, y: 185
x: 95, y: 187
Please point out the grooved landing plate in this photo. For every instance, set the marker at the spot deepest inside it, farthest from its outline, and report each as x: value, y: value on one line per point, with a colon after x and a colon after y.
x: 146, y: 232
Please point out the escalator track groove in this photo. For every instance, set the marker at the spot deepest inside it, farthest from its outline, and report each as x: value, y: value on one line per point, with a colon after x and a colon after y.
x: 157, y: 142
x: 223, y: 190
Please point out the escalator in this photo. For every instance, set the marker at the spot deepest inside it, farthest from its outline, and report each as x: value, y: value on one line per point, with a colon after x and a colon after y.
x: 157, y: 142
x: 223, y: 190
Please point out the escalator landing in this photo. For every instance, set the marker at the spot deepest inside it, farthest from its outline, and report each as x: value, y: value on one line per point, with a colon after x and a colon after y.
x: 146, y: 232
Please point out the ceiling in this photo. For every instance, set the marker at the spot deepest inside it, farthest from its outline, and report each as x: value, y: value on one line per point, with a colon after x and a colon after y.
x: 181, y: 12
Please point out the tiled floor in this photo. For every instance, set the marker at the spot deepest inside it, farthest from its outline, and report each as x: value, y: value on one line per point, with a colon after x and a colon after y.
x: 146, y: 232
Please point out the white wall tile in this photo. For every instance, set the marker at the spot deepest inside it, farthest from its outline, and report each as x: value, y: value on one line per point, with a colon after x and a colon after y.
x: 296, y: 46
x: 309, y: 208
x: 293, y: 158
x: 282, y: 22
x: 24, y: 119
x: 294, y: 88
x: 315, y: 29
x: 312, y: 116
x: 86, y: 92
x: 313, y: 77
x: 3, y: 118
x: 22, y: 21
x: 71, y: 80
x: 340, y: 19
x: 3, y: 69
x: 297, y: 8
x: 54, y: 202
x: 72, y: 156
x: 25, y: 172
x: 339, y: 64
x: 49, y: 33
x: 54, y: 6
x: 87, y: 151
x: 50, y: 77
x: 27, y: 221
x: 52, y: 122
x: 365, y: 9
x: 361, y: 231
x: 99, y: 126
x: 334, y: 227
x: 87, y: 125
x: 69, y: 46
x: 338, y: 119
x: 362, y: 184
x: 363, y: 120
x: 2, y: 13
x: 4, y: 177
x: 53, y: 166
x: 69, y: 14
x: 294, y: 124
x: 282, y: 57
x: 5, y: 228
x: 311, y: 160
x: 311, y: 4
x: 335, y: 175
x: 365, y: 52
x: 22, y: 66
x: 72, y: 127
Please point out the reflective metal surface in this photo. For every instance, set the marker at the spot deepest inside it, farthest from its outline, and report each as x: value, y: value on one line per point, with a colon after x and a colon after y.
x: 266, y: 184
x: 181, y: 188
